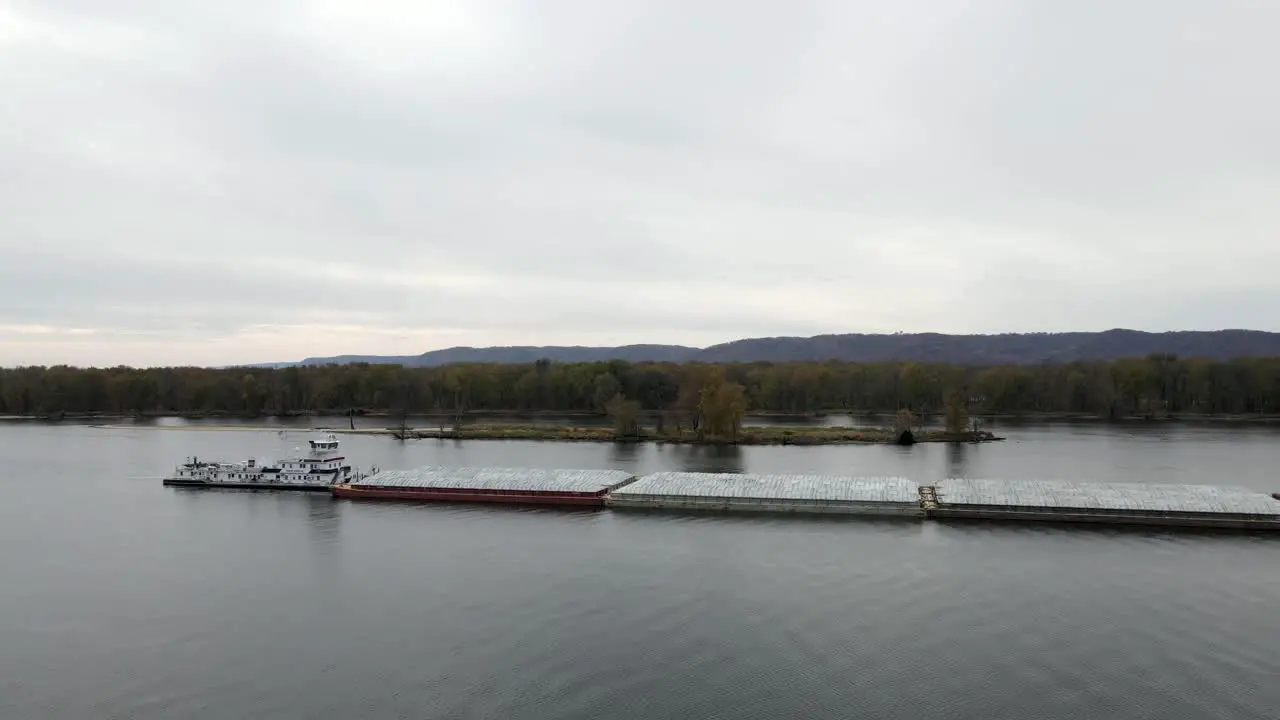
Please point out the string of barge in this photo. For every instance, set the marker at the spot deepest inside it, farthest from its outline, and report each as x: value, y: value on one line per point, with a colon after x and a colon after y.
x: 1149, y: 504
x: 776, y: 493
x: 1152, y: 504
x: 522, y: 486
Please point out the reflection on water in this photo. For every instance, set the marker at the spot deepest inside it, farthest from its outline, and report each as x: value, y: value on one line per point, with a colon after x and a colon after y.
x: 956, y: 466
x: 709, y: 458
x: 640, y: 457
x: 624, y: 455
x: 317, y: 514
x: 324, y: 517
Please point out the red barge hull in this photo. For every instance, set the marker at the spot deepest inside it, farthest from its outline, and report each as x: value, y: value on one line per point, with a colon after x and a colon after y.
x: 511, y: 497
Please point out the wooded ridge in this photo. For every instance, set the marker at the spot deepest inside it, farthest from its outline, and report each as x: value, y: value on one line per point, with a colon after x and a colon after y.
x: 1156, y: 385
x: 1001, y: 349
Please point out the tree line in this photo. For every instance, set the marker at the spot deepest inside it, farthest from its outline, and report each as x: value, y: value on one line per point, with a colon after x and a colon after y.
x: 1157, y: 385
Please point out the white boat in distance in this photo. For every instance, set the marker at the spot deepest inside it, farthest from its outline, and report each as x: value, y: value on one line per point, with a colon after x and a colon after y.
x: 319, y: 469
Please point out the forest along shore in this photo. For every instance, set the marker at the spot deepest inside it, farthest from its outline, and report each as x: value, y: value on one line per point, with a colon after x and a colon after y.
x: 706, y: 397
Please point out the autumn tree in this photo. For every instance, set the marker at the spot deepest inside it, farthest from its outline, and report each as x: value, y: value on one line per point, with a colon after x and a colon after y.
x: 687, y: 409
x: 903, y: 421
x: 625, y: 415
x: 454, y: 395
x: 605, y: 391
x: 252, y: 395
x: 956, y: 411
x: 721, y: 408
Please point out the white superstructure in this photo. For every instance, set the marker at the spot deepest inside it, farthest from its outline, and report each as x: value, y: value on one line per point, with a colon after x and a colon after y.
x: 322, y: 465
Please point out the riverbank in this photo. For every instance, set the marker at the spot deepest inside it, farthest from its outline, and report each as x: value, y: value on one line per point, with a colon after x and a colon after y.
x: 867, y: 417
x: 751, y: 435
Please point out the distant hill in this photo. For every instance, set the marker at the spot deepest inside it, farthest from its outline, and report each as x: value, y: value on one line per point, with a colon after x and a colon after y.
x: 372, y: 359
x: 522, y: 354
x: 1009, y: 348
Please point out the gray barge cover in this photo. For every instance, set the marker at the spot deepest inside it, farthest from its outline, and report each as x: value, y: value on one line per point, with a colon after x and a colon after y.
x: 750, y: 486
x: 518, y: 479
x: 1106, y: 497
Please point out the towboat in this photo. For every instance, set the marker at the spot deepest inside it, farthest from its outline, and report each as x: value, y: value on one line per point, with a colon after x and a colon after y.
x: 317, y: 470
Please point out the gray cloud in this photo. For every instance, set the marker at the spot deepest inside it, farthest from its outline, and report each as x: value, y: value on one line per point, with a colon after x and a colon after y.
x: 209, y: 183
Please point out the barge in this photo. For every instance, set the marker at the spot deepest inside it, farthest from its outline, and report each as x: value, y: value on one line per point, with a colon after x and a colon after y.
x: 317, y: 471
x: 581, y: 488
x: 1151, y: 504
x: 823, y: 494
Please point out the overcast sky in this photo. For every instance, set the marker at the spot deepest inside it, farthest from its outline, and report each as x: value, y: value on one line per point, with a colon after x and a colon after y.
x: 218, y: 182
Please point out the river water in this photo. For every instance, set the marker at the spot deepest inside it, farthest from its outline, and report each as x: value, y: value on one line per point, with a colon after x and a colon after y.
x: 120, y: 598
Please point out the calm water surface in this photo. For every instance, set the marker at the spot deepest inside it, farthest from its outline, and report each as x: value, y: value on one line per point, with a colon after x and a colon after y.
x: 120, y: 598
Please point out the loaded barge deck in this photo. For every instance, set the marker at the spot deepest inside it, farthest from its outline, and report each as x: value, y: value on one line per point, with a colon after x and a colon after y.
x: 1151, y: 504
x: 583, y: 488
x: 1147, y: 504
x: 821, y: 494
